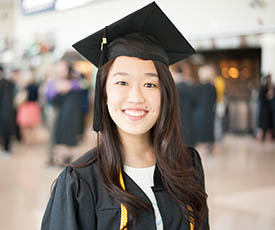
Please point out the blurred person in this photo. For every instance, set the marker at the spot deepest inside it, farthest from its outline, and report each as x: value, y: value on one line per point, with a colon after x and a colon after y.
x: 7, y: 112
x: 176, y: 71
x: 85, y: 102
x: 220, y: 107
x: 65, y: 94
x: 187, y: 100
x: 266, y: 110
x: 253, y: 107
x: 49, y: 111
x: 205, y: 110
x: 271, y: 96
x: 29, y: 111
x: 19, y: 96
x: 273, y: 115
x: 141, y: 175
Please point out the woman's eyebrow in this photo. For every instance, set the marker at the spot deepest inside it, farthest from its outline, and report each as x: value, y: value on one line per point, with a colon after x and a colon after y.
x: 120, y: 73
x: 152, y: 74
x: 127, y: 74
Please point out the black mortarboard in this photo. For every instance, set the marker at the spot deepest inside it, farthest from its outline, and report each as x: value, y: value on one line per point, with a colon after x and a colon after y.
x: 147, y: 33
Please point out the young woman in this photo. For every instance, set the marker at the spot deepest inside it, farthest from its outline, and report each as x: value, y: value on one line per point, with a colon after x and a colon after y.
x: 140, y: 176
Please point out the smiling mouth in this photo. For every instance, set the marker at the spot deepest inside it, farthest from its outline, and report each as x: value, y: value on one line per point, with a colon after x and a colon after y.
x: 135, y: 114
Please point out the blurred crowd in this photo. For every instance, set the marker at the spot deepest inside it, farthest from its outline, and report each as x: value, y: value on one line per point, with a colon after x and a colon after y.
x: 61, y: 103
x: 204, y: 106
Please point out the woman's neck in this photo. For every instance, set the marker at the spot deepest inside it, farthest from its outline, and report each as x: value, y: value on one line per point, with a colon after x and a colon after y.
x: 137, y: 151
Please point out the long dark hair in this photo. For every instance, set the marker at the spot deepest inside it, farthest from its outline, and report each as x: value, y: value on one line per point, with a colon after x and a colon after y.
x: 174, y: 162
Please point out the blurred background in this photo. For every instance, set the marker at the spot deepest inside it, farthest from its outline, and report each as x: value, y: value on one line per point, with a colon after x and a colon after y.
x: 226, y: 94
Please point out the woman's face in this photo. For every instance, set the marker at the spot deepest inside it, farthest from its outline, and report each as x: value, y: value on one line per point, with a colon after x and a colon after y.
x: 133, y: 95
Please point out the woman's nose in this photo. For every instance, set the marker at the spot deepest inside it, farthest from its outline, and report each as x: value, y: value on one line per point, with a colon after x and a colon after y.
x: 135, y: 95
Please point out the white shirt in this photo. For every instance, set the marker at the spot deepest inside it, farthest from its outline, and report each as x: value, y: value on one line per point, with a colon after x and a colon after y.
x: 143, y: 177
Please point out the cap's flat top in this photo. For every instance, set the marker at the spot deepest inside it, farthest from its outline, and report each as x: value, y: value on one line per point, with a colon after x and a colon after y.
x: 149, y: 20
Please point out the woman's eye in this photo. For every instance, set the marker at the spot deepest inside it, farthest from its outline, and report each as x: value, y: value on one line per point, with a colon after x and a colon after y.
x: 122, y: 83
x: 149, y: 85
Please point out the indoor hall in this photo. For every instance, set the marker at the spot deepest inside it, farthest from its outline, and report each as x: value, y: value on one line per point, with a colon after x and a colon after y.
x: 36, y: 35
x: 239, y: 180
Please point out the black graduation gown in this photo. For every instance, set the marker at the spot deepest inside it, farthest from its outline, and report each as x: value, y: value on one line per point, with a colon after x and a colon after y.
x: 265, y: 111
x: 205, y: 113
x: 69, y: 119
x: 79, y: 201
x: 187, y: 103
x: 7, y: 111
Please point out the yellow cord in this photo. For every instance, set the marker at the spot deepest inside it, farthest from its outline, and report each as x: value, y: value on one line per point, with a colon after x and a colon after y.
x: 191, y: 219
x: 124, y: 212
x: 191, y: 226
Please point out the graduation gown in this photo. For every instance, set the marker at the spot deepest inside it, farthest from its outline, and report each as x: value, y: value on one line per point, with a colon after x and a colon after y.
x: 265, y: 111
x: 69, y: 119
x: 7, y: 111
x: 205, y: 113
x: 79, y: 201
x: 187, y: 103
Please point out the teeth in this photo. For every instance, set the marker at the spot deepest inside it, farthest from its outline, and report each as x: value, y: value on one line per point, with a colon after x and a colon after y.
x: 135, y: 113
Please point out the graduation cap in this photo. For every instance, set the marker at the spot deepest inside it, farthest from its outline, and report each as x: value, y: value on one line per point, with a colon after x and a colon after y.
x: 146, y: 33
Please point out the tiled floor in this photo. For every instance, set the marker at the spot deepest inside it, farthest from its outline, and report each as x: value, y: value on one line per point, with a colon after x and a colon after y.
x: 241, y: 184
x: 240, y: 179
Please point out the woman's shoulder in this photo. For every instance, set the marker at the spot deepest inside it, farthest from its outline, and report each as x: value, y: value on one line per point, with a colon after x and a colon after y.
x: 72, y: 197
x: 83, y: 169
